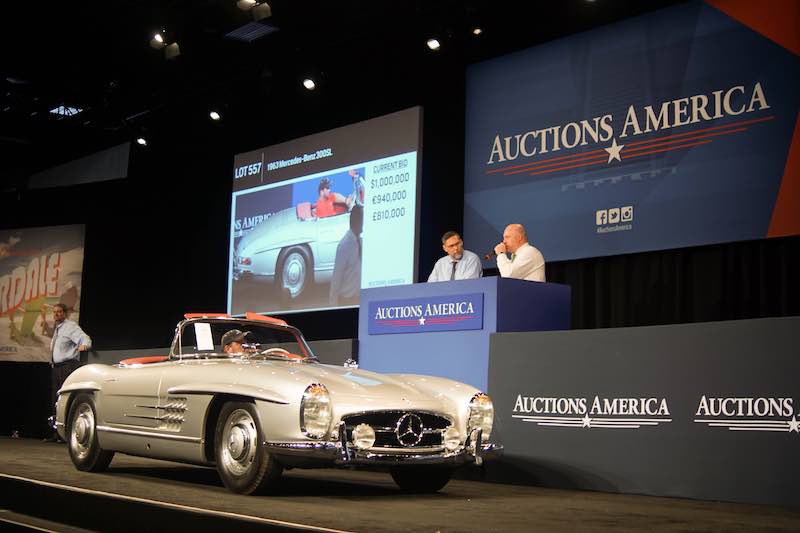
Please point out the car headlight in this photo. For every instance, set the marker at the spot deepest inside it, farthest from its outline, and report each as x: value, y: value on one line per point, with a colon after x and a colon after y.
x: 481, y: 415
x: 315, y: 411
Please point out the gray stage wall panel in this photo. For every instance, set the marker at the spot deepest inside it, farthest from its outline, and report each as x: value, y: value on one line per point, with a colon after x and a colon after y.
x: 715, y: 411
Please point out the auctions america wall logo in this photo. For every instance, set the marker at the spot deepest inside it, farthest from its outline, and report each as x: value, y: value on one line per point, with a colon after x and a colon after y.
x: 597, y: 412
x: 748, y: 413
x: 615, y: 143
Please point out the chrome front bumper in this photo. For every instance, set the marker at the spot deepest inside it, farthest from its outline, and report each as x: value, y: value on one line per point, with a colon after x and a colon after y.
x: 342, y: 453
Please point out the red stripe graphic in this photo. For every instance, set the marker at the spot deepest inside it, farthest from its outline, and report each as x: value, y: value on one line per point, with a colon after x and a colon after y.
x: 627, y: 157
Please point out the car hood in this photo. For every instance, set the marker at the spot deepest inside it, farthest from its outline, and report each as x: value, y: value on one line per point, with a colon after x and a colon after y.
x: 346, y: 381
x: 356, y: 389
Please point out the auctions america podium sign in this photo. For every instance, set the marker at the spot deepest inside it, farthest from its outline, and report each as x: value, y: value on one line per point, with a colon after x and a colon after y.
x: 450, y: 312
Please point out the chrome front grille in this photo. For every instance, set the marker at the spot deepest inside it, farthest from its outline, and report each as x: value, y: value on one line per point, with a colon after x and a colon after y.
x: 385, y: 423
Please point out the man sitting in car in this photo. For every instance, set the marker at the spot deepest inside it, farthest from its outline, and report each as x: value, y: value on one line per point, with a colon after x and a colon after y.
x: 329, y: 203
x: 232, y: 341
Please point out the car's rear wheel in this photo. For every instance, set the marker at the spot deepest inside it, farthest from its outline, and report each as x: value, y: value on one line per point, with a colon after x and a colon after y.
x: 294, y: 270
x: 243, y: 463
x: 421, y: 478
x: 84, y: 449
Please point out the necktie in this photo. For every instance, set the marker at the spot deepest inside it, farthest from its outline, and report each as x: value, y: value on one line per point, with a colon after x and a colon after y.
x: 453, y: 273
x: 512, y: 257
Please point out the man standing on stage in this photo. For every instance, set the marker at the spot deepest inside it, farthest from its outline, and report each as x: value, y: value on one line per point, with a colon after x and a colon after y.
x: 526, y: 262
x: 346, y: 280
x: 68, y: 341
x: 458, y: 263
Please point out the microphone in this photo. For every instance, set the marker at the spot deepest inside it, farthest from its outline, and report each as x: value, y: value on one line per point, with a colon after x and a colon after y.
x: 491, y: 253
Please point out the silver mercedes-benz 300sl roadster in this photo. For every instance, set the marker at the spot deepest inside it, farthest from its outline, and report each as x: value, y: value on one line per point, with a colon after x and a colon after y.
x: 248, y: 396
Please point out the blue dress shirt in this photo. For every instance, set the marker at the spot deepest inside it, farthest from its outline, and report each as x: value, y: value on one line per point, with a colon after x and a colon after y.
x: 67, y: 336
x: 468, y: 267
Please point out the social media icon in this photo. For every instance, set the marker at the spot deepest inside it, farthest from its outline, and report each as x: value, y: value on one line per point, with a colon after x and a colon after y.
x: 601, y: 217
x: 613, y: 215
x: 626, y: 213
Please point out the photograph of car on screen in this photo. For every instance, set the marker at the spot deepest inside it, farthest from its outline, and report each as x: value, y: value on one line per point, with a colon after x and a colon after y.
x: 298, y: 245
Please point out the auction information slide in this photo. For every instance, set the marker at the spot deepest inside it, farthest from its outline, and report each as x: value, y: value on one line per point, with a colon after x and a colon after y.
x: 286, y: 255
x: 390, y: 198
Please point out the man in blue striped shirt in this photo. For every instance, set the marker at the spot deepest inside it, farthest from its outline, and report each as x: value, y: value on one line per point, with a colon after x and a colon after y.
x: 68, y: 341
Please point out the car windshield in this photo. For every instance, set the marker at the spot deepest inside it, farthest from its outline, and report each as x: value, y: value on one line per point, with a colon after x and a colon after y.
x: 230, y: 338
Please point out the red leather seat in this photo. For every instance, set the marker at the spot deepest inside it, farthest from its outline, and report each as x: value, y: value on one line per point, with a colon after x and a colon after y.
x: 144, y: 360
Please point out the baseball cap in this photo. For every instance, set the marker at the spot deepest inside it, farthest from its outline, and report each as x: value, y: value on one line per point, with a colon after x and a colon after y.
x: 234, y: 335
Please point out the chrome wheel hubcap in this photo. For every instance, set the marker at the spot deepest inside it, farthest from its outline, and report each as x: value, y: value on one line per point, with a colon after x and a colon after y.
x: 240, y: 441
x: 82, y: 433
x: 294, y: 273
x: 237, y: 443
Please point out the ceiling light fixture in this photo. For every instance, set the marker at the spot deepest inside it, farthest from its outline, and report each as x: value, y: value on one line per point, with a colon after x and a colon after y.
x: 157, y: 41
x: 433, y: 44
x: 214, y: 115
x: 309, y: 84
x: 477, y: 31
x: 259, y: 10
x: 141, y: 141
x: 172, y: 51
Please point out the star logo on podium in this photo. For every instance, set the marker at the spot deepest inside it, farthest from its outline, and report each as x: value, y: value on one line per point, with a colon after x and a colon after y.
x: 587, y: 422
x: 794, y: 425
x: 422, y: 321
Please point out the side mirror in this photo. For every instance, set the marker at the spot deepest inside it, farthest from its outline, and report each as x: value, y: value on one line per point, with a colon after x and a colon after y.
x: 350, y: 363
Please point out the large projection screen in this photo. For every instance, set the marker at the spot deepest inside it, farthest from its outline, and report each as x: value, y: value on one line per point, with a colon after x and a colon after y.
x: 297, y: 239
x: 673, y: 129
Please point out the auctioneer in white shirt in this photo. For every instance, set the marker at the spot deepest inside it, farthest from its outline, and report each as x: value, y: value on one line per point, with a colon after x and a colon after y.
x: 527, y: 263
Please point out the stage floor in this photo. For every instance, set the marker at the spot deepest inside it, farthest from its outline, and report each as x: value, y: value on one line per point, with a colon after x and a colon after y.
x: 369, y: 501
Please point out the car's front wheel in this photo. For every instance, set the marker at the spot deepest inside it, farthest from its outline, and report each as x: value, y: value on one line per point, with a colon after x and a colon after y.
x: 84, y: 449
x: 294, y: 270
x: 243, y: 463
x: 421, y: 478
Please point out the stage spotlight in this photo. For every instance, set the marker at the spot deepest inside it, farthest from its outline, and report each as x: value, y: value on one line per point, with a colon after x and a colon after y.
x: 214, y: 115
x: 141, y: 141
x: 309, y: 84
x: 477, y: 31
x: 433, y: 44
x: 262, y: 11
x: 172, y: 51
x: 157, y: 41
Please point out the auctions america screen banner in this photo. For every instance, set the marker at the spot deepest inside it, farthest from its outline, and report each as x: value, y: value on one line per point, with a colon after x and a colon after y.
x: 673, y: 129
x: 39, y: 267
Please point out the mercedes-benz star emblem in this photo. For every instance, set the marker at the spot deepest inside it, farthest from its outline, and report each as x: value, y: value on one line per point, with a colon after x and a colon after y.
x: 409, y: 429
